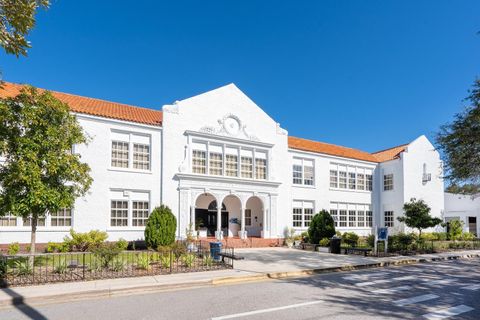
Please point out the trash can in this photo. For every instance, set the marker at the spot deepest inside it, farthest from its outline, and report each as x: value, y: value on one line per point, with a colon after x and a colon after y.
x: 335, y: 244
x: 215, y: 248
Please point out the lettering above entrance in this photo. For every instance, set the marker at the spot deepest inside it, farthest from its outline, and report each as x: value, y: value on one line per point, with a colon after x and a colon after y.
x: 230, y: 125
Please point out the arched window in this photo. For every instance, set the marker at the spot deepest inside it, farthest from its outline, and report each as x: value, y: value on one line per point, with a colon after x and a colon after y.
x: 213, y: 206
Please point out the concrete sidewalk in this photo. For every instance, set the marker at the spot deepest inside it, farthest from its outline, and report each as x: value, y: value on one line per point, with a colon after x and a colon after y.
x: 259, y: 264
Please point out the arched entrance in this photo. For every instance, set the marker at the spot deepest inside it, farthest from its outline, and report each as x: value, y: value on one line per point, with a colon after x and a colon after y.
x: 234, y: 207
x: 206, y: 215
x: 254, y: 217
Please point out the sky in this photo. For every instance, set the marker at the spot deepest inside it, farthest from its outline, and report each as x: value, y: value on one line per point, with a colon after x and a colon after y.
x: 363, y: 74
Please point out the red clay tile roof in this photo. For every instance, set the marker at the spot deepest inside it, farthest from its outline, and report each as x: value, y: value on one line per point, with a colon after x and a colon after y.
x: 96, y: 107
x: 330, y: 149
x: 390, y: 154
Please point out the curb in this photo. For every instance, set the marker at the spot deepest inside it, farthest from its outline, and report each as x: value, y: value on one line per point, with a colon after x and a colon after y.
x: 107, y: 293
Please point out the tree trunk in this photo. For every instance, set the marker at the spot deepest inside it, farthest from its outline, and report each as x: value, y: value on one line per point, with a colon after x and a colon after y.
x: 33, y: 237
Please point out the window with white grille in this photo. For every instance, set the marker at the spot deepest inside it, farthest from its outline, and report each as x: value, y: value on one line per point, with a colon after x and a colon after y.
x: 141, y: 156
x: 302, y: 213
x: 140, y: 212
x: 231, y: 165
x: 120, y: 154
x: 303, y: 172
x: 61, y: 218
x: 388, y: 182
x: 8, y: 220
x: 199, y: 161
x: 119, y: 213
x: 389, y: 218
x: 247, y: 167
x: 215, y: 165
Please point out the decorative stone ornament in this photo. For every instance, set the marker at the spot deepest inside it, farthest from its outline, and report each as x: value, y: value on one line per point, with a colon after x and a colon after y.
x: 230, y: 125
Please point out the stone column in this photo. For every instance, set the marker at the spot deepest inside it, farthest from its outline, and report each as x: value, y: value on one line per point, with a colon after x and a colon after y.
x: 243, y: 206
x: 219, y: 232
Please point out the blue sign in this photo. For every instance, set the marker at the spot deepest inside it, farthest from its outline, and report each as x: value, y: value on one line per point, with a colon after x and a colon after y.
x: 382, y: 234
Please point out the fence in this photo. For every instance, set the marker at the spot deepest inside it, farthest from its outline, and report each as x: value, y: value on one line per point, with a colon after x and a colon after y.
x: 27, y: 269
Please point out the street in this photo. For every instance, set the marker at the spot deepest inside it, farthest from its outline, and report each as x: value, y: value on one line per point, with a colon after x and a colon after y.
x: 438, y: 290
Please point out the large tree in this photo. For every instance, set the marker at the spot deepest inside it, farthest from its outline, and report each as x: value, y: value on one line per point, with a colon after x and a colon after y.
x: 417, y: 216
x: 17, y: 18
x: 459, y: 142
x: 40, y: 173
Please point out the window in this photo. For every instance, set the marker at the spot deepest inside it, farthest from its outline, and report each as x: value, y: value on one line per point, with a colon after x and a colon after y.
x: 140, y: 213
x: 297, y: 217
x: 361, y: 218
x: 130, y: 150
x: 388, y: 218
x: 8, y: 221
x: 248, y: 217
x: 351, y: 180
x: 342, y: 179
x: 352, y: 218
x: 388, y: 182
x: 369, y: 218
x: 231, y: 165
x: 119, y: 154
x: 199, y: 161
x: 302, y: 213
x: 119, y: 213
x: 334, y: 214
x: 350, y: 177
x: 246, y: 167
x: 141, y: 156
x: 369, y: 180
x: 360, y: 181
x: 351, y: 215
x: 215, y: 164
x: 61, y: 218
x: 260, y: 169
x: 333, y: 179
x: 308, y: 214
x: 342, y: 218
x: 297, y: 174
x: 28, y: 222
x: 303, y: 172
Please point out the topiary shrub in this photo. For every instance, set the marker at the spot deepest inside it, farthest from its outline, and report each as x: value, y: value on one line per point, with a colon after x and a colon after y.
x: 321, y: 226
x: 161, y: 227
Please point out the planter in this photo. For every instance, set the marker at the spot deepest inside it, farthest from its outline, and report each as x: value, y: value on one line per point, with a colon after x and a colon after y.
x: 297, y: 243
x: 202, y: 233
x: 323, y: 249
x: 289, y: 244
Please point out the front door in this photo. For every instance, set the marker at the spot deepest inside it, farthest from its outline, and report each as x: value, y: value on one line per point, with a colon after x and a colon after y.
x: 208, y: 219
x: 472, y: 225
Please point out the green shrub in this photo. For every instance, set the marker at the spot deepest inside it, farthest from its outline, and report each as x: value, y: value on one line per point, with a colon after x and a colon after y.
x: 85, y: 241
x: 53, y: 247
x: 105, y: 253
x: 122, y: 244
x: 350, y: 238
x: 188, y: 259
x: 208, y: 260
x: 178, y: 249
x: 321, y: 226
x: 119, y: 265
x: 325, y: 242
x: 13, y: 248
x: 441, y: 236
x: 402, y: 241
x: 161, y: 227
x: 467, y: 236
x: 165, y: 260
x: 371, y: 240
x: 3, y: 266
x: 61, y: 266
x: 304, y: 236
x: 23, y: 268
x: 143, y: 262
x: 455, y: 229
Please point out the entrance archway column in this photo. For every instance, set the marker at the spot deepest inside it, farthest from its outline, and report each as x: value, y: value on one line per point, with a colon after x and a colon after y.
x: 243, y: 207
x: 219, y: 233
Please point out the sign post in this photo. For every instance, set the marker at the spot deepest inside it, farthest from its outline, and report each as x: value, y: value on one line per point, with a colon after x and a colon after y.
x: 381, y: 235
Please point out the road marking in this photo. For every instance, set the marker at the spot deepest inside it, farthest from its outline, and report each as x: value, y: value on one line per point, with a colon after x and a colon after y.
x: 472, y: 287
x: 425, y: 297
x: 369, y: 283
x: 392, y: 290
x: 449, y: 312
x: 245, y: 314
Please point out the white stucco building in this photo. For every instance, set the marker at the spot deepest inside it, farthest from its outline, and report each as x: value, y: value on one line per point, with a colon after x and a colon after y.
x: 465, y: 208
x: 221, y: 148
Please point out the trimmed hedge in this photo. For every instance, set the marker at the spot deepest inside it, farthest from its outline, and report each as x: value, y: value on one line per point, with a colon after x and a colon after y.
x: 321, y: 226
x: 161, y: 227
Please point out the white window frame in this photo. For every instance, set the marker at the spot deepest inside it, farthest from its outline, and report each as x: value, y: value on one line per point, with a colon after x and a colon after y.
x: 305, y: 163
x: 140, y: 221
x: 388, y: 182
x: 130, y: 138
x: 351, y: 216
x: 352, y: 178
x: 306, y: 210
x: 389, y: 218
x: 62, y: 217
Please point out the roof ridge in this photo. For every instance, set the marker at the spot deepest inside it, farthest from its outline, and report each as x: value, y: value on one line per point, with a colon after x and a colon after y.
x: 85, y: 97
x: 400, y: 145
x: 331, y: 144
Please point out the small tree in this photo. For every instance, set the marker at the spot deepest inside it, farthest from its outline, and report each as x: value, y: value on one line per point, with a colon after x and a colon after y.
x: 455, y: 229
x: 417, y: 215
x: 321, y: 226
x: 40, y: 173
x: 160, y: 228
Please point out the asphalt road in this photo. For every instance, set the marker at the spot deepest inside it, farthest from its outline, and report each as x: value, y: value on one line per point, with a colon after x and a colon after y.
x: 438, y: 290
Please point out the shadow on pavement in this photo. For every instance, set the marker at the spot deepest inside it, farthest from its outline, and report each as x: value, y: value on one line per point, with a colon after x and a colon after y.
x: 19, y: 303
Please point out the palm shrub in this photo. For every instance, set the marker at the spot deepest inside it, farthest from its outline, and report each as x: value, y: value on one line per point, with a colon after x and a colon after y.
x: 160, y: 228
x: 85, y: 241
x: 321, y: 226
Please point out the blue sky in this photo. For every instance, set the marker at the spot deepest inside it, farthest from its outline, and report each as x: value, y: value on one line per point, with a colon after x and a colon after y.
x: 364, y: 74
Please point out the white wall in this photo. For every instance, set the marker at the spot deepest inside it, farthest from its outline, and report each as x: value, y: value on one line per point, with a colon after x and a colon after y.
x: 462, y: 207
